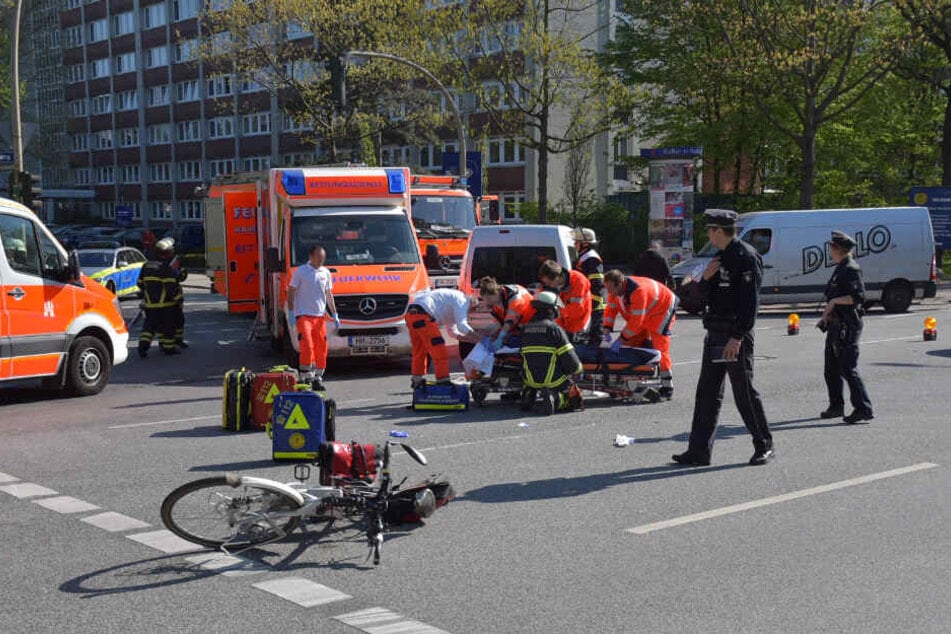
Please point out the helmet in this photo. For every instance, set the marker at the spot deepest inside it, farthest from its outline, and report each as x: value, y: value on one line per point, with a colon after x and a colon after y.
x: 583, y: 234
x: 165, y: 244
x: 548, y: 299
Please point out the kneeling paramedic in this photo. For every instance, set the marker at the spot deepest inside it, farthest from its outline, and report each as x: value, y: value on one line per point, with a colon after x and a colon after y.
x: 162, y: 297
x: 510, y: 305
x: 574, y: 291
x: 648, y: 309
x: 429, y: 310
x: 548, y: 359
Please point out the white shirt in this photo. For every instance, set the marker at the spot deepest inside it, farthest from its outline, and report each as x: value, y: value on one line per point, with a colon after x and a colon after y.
x: 447, y: 306
x: 311, y: 287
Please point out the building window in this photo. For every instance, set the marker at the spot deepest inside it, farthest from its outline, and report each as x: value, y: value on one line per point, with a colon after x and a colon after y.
x: 74, y: 36
x: 185, y: 51
x: 154, y: 16
x: 160, y: 210
x: 189, y: 131
x: 127, y: 100
x: 249, y: 84
x: 123, y: 23
x: 102, y: 104
x: 128, y: 137
x: 103, y: 140
x: 189, y: 171
x: 76, y: 72
x: 99, y: 68
x: 296, y: 125
x: 256, y: 123
x: 221, y: 167
x: 505, y: 152
x: 298, y: 159
x: 80, y: 142
x: 160, y: 172
x: 191, y: 210
x: 187, y: 90
x: 295, y: 30
x: 125, y: 63
x: 158, y: 95
x: 256, y: 163
x: 98, y: 30
x: 220, y: 127
x: 220, y: 86
x: 511, y: 202
x: 74, y: 4
x: 105, y: 175
x: 395, y: 155
x: 185, y: 9
x: 160, y: 134
x: 107, y: 210
x: 77, y: 108
x: 129, y: 173
x: 80, y: 176
x: 157, y: 56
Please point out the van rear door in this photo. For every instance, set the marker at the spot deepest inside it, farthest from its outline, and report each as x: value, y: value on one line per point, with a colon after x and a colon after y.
x: 6, y: 350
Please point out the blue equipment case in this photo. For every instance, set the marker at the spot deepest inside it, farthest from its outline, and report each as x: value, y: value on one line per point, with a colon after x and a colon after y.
x: 302, y: 420
x: 454, y: 397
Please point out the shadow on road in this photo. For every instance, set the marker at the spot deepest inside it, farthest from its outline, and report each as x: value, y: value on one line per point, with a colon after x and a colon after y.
x: 204, y: 431
x: 235, y: 466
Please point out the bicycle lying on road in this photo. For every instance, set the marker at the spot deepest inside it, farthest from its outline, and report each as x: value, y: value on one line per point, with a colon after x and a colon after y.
x: 235, y: 512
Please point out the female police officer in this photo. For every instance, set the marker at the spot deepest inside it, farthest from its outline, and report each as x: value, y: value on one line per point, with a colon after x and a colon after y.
x: 842, y: 322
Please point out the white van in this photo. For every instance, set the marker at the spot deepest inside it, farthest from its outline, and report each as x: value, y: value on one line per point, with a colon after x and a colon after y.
x: 894, y: 247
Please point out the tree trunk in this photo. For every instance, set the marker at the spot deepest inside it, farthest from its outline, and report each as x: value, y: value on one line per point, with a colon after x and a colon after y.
x: 543, y: 168
x: 808, y: 176
x: 946, y: 144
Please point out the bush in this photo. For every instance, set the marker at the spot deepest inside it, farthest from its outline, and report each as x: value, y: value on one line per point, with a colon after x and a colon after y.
x: 193, y: 261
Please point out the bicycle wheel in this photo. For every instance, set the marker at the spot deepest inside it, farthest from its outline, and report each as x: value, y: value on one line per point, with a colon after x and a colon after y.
x: 210, y: 512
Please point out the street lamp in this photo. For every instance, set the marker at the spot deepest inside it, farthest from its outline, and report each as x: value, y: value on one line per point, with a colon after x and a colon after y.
x: 463, y: 165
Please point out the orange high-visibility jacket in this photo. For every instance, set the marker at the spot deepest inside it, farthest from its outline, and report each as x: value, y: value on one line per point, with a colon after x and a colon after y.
x: 644, y: 305
x: 515, y: 307
x: 576, y: 296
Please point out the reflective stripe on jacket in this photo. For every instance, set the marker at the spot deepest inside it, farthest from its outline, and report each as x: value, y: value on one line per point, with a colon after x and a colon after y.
x: 644, y: 304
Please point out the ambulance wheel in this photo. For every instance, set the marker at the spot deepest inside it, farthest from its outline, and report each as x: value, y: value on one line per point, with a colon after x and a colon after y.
x: 88, y: 367
x: 897, y: 296
x: 330, y: 426
x: 291, y: 357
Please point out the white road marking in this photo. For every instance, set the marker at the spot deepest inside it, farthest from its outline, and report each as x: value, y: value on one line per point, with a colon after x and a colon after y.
x: 26, y: 490
x: 66, y: 504
x: 164, y: 541
x: 891, y: 339
x: 301, y: 591
x: 776, y: 499
x: 204, y: 330
x: 228, y: 565
x: 165, y: 422
x: 6, y: 477
x: 114, y: 522
x: 383, y: 621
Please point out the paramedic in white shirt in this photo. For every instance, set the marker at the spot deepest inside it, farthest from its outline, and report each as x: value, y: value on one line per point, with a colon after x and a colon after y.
x: 310, y: 299
x: 426, y: 313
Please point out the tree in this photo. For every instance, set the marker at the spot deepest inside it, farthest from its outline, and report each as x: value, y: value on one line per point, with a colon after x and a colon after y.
x: 529, y: 65
x: 806, y: 63
x: 931, y: 62
x: 576, y: 186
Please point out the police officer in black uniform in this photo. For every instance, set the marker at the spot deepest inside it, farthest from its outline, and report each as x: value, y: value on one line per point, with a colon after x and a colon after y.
x: 842, y: 322
x: 730, y: 291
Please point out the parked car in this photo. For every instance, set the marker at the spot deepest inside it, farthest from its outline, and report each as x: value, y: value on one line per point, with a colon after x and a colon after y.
x: 116, y: 268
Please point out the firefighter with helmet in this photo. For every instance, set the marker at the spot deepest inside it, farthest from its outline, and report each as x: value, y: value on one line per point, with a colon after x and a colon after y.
x: 592, y: 266
x: 549, y: 361
x: 162, y: 299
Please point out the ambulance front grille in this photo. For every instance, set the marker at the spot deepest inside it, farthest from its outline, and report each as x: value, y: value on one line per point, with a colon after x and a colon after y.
x: 371, y: 307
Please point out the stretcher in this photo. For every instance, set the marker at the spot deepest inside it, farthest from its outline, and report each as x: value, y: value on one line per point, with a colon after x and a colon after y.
x: 630, y: 375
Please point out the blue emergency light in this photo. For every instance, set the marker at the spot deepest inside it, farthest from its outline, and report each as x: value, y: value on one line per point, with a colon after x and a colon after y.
x: 293, y: 182
x: 397, y: 181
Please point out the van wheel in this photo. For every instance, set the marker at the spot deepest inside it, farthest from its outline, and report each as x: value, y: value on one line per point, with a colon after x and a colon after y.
x: 88, y: 367
x: 897, y: 296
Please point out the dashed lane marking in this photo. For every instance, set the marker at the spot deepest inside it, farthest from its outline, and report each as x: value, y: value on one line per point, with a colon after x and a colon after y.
x: 6, y: 477
x: 383, y: 621
x: 26, y: 490
x: 301, y: 591
x: 66, y: 504
x: 776, y: 499
x: 114, y: 522
x: 164, y: 541
x: 228, y: 565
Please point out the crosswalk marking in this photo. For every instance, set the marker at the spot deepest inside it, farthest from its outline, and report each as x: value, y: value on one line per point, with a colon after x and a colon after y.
x: 26, y: 490
x: 114, y: 522
x: 228, y: 565
x: 383, y: 621
x: 164, y: 541
x: 6, y: 477
x: 66, y: 504
x: 301, y: 591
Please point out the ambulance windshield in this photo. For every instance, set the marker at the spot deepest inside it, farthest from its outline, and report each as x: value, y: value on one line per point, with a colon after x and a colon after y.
x: 354, y: 238
x: 443, y: 216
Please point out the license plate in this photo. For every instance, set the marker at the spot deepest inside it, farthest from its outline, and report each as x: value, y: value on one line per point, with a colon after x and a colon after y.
x: 446, y: 282
x: 368, y: 341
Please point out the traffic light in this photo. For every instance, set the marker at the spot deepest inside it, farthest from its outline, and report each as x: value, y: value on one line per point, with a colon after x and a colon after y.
x: 30, y: 189
x: 338, y: 81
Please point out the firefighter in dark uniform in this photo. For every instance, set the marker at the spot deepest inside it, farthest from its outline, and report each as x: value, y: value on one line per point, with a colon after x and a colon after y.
x: 730, y: 290
x: 180, y: 309
x: 162, y: 296
x: 591, y: 265
x: 548, y: 359
x: 842, y: 322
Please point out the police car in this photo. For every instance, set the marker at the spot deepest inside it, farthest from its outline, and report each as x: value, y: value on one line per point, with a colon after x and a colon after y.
x: 115, y: 268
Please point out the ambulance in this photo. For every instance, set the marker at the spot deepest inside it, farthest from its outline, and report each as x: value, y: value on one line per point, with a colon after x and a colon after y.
x: 361, y: 216
x: 444, y: 214
x: 56, y: 324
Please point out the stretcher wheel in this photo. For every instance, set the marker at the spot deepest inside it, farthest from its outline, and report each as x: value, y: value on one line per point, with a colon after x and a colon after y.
x: 479, y: 393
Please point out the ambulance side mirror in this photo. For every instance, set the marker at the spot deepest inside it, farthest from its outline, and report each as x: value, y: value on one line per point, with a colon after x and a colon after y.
x: 72, y: 271
x: 272, y: 261
x: 431, y: 259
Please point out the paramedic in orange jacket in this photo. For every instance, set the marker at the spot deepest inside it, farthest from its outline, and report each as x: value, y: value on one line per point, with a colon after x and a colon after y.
x: 429, y: 310
x: 509, y: 304
x: 648, y: 309
x: 574, y: 290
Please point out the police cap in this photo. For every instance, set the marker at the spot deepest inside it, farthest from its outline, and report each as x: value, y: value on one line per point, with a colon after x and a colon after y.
x: 842, y: 240
x: 720, y: 217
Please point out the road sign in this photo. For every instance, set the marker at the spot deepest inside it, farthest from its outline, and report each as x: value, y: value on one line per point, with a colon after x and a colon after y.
x: 123, y: 216
x: 450, y: 165
x: 938, y: 202
x: 6, y: 157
